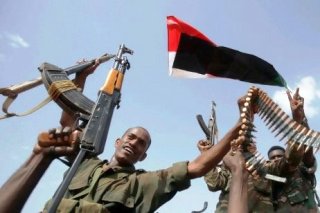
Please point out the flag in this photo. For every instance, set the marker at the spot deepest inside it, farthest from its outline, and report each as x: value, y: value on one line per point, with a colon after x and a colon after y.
x: 192, y: 54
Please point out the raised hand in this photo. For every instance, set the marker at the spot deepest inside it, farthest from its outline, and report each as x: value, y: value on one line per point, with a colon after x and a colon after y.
x: 58, y: 142
x: 297, y: 106
x: 204, y: 145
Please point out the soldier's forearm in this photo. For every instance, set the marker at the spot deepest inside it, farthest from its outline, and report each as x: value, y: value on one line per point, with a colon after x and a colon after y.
x: 238, y: 200
x: 16, y: 191
x: 309, y: 159
x: 293, y: 155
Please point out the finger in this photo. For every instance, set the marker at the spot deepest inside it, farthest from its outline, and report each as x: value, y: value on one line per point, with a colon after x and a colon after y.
x: 297, y: 91
x: 57, y: 151
x: 63, y: 151
x: 299, y: 104
x: 66, y: 132
x: 203, y: 142
x: 296, y: 94
x: 199, y: 143
x: 51, y: 133
x: 62, y: 135
x: 58, y: 131
x: 289, y: 96
x: 51, y: 151
x: 75, y: 138
x: 45, y: 139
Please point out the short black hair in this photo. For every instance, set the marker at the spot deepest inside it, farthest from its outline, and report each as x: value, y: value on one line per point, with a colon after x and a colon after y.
x: 139, y: 127
x: 276, y: 148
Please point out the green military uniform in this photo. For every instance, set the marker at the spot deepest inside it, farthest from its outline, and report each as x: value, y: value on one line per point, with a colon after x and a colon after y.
x: 259, y: 191
x: 122, y: 189
x: 297, y: 194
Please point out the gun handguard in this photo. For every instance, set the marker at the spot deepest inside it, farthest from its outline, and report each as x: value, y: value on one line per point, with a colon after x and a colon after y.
x: 96, y: 129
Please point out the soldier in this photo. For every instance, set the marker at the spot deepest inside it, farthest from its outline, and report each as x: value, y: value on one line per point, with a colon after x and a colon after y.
x: 297, y: 194
x: 297, y: 166
x: 259, y: 189
x: 110, y: 186
x: 219, y: 179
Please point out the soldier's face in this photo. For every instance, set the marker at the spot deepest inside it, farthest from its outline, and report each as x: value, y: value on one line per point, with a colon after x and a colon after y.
x: 276, y: 155
x: 132, y: 146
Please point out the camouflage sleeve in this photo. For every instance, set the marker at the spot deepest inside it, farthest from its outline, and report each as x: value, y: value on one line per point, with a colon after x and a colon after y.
x: 218, y: 179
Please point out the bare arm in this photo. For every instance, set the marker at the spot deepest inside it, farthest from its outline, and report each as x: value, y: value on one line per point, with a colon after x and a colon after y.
x: 298, y: 114
x: 15, y: 192
x: 238, y: 200
x: 80, y: 80
x: 17, y: 189
x: 210, y: 158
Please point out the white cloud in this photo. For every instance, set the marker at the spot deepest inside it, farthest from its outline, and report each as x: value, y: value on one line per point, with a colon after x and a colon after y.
x: 16, y: 40
x: 280, y: 97
x: 307, y: 89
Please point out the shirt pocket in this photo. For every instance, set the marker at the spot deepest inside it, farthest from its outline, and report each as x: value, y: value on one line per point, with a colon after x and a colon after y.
x: 119, y: 188
x: 91, y: 207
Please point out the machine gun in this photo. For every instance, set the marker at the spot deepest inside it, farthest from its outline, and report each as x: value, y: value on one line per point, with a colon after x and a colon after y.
x: 96, y: 117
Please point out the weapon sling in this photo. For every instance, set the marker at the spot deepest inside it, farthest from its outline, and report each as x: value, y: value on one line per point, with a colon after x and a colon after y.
x: 12, y: 92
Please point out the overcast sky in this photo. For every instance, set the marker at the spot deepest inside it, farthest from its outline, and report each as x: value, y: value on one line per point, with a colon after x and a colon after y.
x: 285, y: 33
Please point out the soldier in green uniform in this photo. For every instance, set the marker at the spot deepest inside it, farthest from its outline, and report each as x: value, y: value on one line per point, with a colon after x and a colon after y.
x: 259, y: 188
x: 115, y: 185
x: 219, y: 179
x: 297, y: 194
x: 108, y: 186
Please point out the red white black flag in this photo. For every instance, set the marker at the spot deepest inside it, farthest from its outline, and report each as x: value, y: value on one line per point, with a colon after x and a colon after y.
x: 192, y: 54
